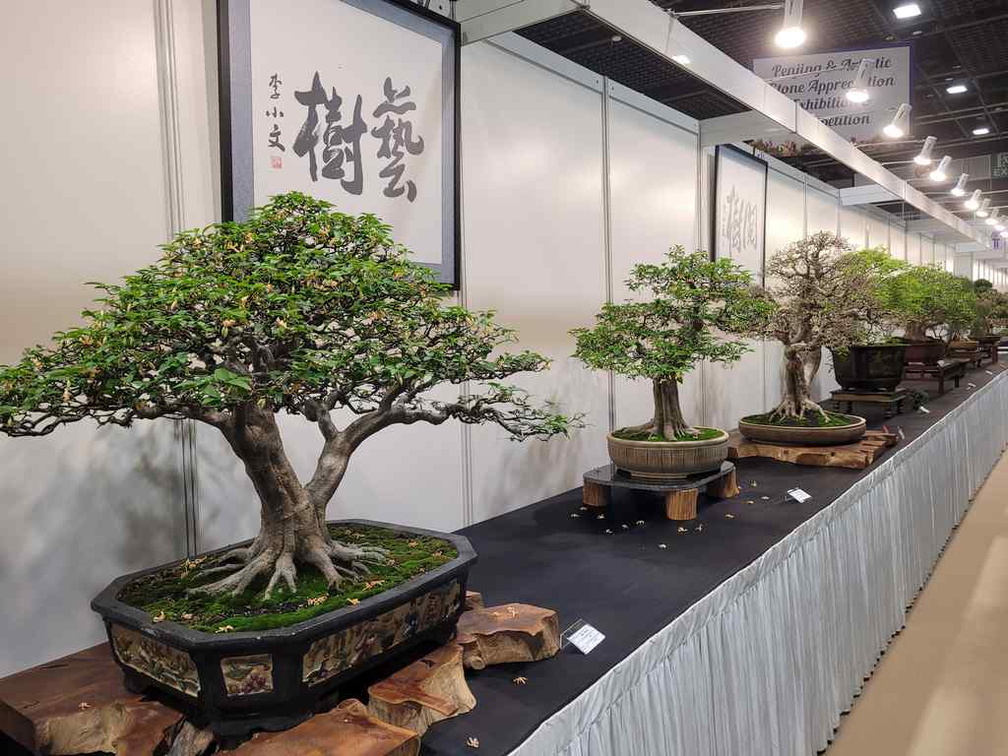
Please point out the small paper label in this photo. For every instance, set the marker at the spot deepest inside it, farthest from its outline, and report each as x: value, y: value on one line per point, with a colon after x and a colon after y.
x: 799, y: 495
x: 925, y: 410
x: 902, y: 435
x: 585, y: 638
x: 971, y: 385
x: 988, y: 372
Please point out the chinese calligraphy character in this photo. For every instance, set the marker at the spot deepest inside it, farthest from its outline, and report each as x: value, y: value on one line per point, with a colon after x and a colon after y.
x: 274, y: 138
x: 739, y: 223
x: 396, y: 140
x: 274, y: 84
x: 342, y: 142
x: 275, y: 113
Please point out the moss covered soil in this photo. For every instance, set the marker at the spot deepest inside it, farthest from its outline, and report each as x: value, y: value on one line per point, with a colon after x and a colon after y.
x: 808, y: 420
x: 703, y: 434
x: 163, y: 594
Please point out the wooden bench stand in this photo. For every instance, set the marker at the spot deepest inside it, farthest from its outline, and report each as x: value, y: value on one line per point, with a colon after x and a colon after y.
x: 940, y: 371
x: 891, y: 400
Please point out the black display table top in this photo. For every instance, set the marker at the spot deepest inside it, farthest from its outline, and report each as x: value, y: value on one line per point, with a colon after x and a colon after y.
x: 625, y: 584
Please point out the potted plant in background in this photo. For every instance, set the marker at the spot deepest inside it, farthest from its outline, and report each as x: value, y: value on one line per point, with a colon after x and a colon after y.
x: 991, y: 309
x: 823, y: 294
x: 694, y: 307
x: 299, y: 310
x: 874, y: 360
x: 927, y: 302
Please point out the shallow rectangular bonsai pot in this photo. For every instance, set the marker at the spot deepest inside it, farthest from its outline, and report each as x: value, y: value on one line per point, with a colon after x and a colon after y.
x: 273, y: 679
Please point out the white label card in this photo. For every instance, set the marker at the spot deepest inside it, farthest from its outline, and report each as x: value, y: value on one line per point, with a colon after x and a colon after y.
x: 799, y: 495
x: 988, y: 372
x: 902, y: 434
x: 586, y: 638
x: 925, y: 410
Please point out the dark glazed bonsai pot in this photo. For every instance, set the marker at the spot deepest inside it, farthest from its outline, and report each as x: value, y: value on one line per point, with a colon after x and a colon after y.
x: 927, y: 352
x: 799, y: 436
x: 273, y: 679
x: 870, y: 367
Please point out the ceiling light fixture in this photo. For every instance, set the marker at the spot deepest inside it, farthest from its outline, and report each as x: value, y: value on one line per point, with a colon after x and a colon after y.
x: 956, y: 89
x: 924, y: 158
x: 906, y: 10
x: 974, y: 201
x: 900, y: 122
x: 791, y: 34
x: 981, y: 131
x: 858, y: 91
x: 960, y: 188
x: 993, y: 219
x: 982, y: 211
x: 1004, y: 234
x: 938, y: 174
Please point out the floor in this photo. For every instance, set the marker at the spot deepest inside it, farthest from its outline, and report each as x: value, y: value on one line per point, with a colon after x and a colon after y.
x: 942, y: 687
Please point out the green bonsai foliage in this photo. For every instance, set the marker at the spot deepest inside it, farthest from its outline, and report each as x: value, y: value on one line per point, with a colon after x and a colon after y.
x: 929, y: 301
x: 991, y: 310
x: 694, y: 305
x: 300, y: 310
x: 825, y: 295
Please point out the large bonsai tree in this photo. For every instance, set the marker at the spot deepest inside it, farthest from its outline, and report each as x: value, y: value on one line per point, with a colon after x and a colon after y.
x: 694, y: 304
x: 929, y: 301
x: 300, y: 310
x: 991, y: 308
x: 825, y: 295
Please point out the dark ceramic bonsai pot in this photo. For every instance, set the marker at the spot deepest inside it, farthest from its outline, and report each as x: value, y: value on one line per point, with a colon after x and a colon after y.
x: 273, y: 679
x: 928, y: 352
x: 870, y: 367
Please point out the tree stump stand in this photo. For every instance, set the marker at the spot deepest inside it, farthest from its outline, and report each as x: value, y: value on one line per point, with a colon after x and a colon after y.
x: 348, y: 730
x: 507, y: 633
x: 681, y: 495
x: 427, y: 691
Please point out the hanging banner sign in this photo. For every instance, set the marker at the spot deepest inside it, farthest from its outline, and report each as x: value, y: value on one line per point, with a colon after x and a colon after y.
x: 819, y: 84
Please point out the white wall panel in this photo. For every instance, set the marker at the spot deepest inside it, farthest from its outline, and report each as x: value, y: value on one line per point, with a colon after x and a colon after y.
x: 878, y: 232
x: 652, y: 178
x: 854, y: 225
x: 897, y: 241
x: 822, y: 211
x: 83, y: 199
x: 534, y: 251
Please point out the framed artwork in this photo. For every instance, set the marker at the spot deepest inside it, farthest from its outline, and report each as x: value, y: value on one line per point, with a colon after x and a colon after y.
x: 739, y: 217
x: 352, y: 101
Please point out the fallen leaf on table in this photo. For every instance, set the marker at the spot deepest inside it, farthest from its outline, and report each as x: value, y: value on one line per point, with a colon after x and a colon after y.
x: 353, y: 601
x: 472, y: 743
x: 520, y: 680
x: 160, y: 617
x: 729, y: 516
x: 83, y: 705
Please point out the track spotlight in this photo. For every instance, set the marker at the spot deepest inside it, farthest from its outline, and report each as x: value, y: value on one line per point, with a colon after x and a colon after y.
x: 974, y: 201
x: 900, y: 122
x: 858, y: 92
x: 791, y: 33
x: 960, y: 188
x: 983, y: 211
x: 924, y: 157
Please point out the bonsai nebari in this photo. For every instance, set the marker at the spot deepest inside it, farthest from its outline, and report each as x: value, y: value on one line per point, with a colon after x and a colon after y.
x: 694, y: 305
x: 300, y: 310
x: 824, y: 293
x: 929, y: 301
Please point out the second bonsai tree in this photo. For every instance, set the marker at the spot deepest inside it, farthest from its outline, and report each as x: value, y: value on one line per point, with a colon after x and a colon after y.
x: 695, y: 307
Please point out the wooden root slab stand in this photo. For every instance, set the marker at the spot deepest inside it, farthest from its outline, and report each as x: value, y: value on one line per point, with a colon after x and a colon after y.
x: 427, y: 691
x: 507, y: 633
x: 856, y: 456
x: 79, y: 704
x: 349, y: 730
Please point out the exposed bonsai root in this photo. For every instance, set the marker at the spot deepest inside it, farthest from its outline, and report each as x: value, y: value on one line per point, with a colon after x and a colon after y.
x: 793, y: 409
x: 336, y: 561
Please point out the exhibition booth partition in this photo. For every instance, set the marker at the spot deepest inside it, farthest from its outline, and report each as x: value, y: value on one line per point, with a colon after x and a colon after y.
x: 748, y: 628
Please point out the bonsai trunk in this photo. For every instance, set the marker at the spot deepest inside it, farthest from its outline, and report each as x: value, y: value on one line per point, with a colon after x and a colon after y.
x: 293, y: 529
x: 668, y: 420
x: 800, y: 367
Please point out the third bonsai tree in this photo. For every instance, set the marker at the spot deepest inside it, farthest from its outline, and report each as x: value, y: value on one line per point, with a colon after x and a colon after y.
x: 697, y: 310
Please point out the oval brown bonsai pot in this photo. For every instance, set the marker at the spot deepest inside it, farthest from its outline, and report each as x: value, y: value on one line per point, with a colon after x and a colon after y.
x: 871, y: 367
x: 668, y: 460
x: 927, y: 352
x: 794, y: 435
x: 987, y: 339
x: 273, y: 679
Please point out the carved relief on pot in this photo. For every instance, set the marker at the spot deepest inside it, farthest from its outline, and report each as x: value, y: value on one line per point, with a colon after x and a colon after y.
x: 332, y: 654
x: 246, y: 675
x: 157, y: 660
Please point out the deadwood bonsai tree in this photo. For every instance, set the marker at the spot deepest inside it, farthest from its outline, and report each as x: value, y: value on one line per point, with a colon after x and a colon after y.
x: 824, y: 292
x: 695, y: 310
x: 300, y: 310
